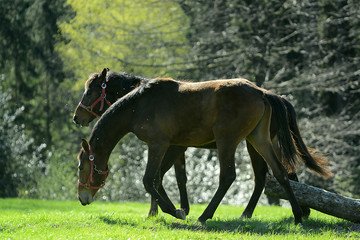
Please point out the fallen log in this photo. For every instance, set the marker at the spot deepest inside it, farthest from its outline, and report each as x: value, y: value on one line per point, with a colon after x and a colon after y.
x: 318, y: 199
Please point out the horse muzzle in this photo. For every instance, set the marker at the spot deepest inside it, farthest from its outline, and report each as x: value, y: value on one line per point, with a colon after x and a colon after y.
x: 85, y: 197
x: 81, y: 121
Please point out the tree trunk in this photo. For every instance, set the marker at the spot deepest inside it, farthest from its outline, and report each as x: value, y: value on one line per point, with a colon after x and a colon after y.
x: 318, y: 199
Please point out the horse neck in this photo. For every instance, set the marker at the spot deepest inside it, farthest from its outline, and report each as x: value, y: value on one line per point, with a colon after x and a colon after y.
x: 108, y: 131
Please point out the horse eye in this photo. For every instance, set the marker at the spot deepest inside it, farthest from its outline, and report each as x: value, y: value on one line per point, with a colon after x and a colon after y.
x: 80, y: 168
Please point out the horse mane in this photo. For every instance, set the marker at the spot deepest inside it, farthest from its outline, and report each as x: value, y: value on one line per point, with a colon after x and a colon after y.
x: 124, y: 77
x: 125, y: 80
x: 144, y: 86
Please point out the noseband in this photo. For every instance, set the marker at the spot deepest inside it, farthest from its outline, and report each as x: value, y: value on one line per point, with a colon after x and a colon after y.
x: 101, y: 99
x: 91, y: 176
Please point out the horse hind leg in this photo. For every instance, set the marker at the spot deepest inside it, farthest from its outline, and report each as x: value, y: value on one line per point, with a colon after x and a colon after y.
x: 291, y: 173
x: 260, y: 140
x: 260, y: 169
x: 181, y: 179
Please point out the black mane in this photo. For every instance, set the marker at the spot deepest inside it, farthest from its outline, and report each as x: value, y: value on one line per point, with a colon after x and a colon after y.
x: 123, y: 81
x: 123, y: 76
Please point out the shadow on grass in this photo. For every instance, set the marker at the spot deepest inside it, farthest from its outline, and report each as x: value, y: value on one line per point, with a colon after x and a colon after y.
x: 252, y: 226
x: 117, y: 221
x: 282, y: 226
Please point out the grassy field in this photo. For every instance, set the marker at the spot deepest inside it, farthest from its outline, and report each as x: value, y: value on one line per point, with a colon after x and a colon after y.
x: 37, y: 219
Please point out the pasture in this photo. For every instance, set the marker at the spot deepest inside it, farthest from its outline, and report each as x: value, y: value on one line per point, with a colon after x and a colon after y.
x: 40, y: 219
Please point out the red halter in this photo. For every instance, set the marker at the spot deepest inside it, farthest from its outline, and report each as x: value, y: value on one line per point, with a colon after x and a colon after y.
x: 91, y: 176
x: 101, y: 99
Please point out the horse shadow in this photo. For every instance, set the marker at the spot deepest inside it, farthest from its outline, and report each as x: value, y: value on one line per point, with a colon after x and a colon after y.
x: 251, y: 226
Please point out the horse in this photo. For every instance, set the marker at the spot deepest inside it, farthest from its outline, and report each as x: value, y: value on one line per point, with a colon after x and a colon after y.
x: 119, y: 84
x: 107, y: 87
x: 165, y: 112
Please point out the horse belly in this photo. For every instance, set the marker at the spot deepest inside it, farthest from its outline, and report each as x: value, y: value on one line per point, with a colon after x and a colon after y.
x: 193, y: 137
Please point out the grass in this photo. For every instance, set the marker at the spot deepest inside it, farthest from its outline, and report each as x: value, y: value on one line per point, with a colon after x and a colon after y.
x: 37, y: 219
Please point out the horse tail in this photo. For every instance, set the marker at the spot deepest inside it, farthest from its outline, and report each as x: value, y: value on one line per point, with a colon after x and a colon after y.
x: 291, y: 145
x: 313, y: 162
x: 286, y: 142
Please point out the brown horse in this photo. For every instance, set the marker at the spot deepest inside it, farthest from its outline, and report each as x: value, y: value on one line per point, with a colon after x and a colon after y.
x: 108, y: 86
x: 166, y: 112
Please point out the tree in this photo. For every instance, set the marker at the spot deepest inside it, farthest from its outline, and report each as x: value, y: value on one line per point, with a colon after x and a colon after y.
x: 18, y: 153
x: 31, y: 67
x: 146, y: 37
x: 316, y: 198
x: 32, y: 73
x: 307, y: 50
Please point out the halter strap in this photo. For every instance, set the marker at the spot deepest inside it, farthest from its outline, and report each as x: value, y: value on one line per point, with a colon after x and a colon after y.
x: 101, y: 99
x: 91, y: 176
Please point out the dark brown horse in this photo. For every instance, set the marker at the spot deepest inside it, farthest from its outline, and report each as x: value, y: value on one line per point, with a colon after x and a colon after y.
x: 167, y: 112
x: 107, y: 87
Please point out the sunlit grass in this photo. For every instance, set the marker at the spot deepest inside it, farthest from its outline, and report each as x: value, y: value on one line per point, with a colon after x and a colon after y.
x: 36, y: 219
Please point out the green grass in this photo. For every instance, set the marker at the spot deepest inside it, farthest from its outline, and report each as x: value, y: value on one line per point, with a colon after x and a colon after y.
x: 37, y: 219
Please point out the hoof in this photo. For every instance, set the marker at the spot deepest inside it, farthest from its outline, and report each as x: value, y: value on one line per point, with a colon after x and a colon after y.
x: 199, y: 225
x: 180, y: 214
x: 298, y: 221
x: 306, y: 212
x: 245, y: 216
x: 202, y: 222
x: 152, y: 213
x: 187, y: 210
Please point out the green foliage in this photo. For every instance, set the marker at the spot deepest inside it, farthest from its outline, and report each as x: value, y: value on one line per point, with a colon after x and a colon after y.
x: 18, y: 154
x: 34, y: 219
x: 147, y: 37
x: 31, y: 67
x: 59, y: 180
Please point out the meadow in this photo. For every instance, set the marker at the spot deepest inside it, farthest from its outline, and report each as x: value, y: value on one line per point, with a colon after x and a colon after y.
x: 40, y: 219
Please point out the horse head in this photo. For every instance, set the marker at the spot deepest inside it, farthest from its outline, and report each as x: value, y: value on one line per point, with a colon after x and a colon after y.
x: 93, y: 101
x: 91, y: 177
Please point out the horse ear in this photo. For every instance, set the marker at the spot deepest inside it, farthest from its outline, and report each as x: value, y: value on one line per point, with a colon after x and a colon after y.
x: 103, y: 73
x: 85, y: 145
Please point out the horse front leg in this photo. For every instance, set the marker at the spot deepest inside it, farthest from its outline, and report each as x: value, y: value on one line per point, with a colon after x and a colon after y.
x: 152, y: 180
x: 174, y: 156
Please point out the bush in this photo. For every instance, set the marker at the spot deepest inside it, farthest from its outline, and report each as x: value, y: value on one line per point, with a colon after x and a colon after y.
x: 20, y: 159
x: 59, y: 179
